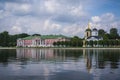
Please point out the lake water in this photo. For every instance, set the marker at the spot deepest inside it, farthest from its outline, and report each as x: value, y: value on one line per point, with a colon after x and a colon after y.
x: 59, y: 64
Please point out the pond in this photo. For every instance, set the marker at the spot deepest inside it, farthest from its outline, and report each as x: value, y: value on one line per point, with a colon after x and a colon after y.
x: 59, y: 64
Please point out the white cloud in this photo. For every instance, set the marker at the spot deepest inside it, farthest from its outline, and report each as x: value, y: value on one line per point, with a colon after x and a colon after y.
x: 16, y: 29
x: 96, y: 19
x: 51, y: 5
x: 73, y: 30
x: 107, y: 17
x: 77, y: 11
x: 49, y: 26
x: 17, y: 8
x: 52, y: 17
x: 4, y: 14
x: 105, y: 21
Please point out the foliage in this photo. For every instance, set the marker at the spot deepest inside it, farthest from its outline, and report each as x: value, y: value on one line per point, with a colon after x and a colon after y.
x: 109, y: 39
x: 74, y: 42
x: 7, y: 40
x: 101, y: 32
x: 114, y: 33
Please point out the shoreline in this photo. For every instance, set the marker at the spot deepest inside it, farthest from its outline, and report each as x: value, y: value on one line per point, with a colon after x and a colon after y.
x: 72, y: 48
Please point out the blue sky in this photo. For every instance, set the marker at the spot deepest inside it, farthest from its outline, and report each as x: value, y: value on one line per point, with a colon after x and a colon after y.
x: 67, y: 17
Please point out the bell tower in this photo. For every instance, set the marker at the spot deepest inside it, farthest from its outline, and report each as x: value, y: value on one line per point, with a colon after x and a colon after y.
x: 88, y: 31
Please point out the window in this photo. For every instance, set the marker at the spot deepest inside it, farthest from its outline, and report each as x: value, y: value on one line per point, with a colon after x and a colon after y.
x: 87, y: 34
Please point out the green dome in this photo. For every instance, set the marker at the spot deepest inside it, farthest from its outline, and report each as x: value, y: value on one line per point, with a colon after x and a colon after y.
x: 88, y: 29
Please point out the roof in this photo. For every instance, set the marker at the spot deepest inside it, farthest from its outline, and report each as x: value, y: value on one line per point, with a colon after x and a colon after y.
x: 52, y: 36
x: 94, y: 29
x: 96, y: 37
x: 88, y: 29
x: 44, y: 37
x: 30, y: 37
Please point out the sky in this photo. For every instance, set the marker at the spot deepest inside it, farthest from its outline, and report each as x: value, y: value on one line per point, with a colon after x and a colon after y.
x: 66, y: 17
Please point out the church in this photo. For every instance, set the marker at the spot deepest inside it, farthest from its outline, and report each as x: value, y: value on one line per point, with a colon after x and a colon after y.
x: 91, y: 35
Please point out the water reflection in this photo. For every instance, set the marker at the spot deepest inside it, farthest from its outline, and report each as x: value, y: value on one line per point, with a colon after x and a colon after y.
x: 46, y: 62
x: 92, y: 57
x: 48, y: 54
x: 7, y: 55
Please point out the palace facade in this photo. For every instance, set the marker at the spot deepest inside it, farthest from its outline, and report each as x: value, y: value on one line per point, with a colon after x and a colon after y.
x: 40, y: 41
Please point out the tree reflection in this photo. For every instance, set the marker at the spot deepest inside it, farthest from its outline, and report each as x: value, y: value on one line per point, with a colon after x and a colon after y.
x: 103, y: 58
x: 6, y: 55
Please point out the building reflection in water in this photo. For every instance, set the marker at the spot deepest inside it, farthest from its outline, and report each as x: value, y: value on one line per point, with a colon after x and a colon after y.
x: 47, y: 61
x: 34, y: 54
x: 101, y: 59
x: 93, y: 57
x: 88, y: 59
x: 102, y: 62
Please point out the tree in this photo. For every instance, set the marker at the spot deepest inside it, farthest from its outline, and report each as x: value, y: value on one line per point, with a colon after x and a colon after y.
x: 22, y: 35
x: 106, y: 36
x: 101, y: 32
x: 114, y: 33
x: 100, y: 42
x: 55, y: 43
x: 95, y: 43
x: 4, y: 39
x: 91, y: 43
x: 36, y: 35
x: 76, y: 42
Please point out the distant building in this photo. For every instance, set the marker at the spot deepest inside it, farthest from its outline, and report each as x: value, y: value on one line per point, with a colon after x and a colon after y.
x: 91, y: 35
x: 40, y: 41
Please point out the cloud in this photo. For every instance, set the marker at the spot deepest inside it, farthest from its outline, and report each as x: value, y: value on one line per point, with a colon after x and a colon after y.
x: 51, y: 5
x: 105, y: 21
x: 51, y: 26
x: 108, y: 17
x: 77, y: 11
x: 15, y: 8
x: 96, y: 19
x: 15, y: 30
x: 73, y: 30
x: 68, y: 17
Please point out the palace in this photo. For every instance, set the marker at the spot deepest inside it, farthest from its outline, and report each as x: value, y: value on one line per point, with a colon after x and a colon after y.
x: 91, y: 35
x: 40, y: 41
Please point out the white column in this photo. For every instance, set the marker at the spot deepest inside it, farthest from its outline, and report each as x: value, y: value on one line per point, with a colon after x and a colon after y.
x: 40, y: 42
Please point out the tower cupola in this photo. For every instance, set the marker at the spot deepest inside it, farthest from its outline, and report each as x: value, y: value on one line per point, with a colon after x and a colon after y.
x: 94, y: 32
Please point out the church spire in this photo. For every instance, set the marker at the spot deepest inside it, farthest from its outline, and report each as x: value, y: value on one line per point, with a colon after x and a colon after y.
x: 88, y: 25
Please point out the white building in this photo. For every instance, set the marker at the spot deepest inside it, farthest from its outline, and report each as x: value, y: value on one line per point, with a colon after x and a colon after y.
x: 91, y: 35
x: 94, y: 35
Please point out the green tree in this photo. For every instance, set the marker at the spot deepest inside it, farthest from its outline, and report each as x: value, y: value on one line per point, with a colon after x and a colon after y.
x: 100, y: 42
x: 36, y: 35
x: 114, y: 33
x: 95, y: 43
x: 91, y: 43
x: 4, y: 39
x: 55, y: 43
x: 101, y: 32
x: 106, y: 36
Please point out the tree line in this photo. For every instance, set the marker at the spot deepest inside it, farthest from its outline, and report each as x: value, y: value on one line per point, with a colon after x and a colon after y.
x: 109, y: 39
x: 7, y: 40
x: 73, y: 42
